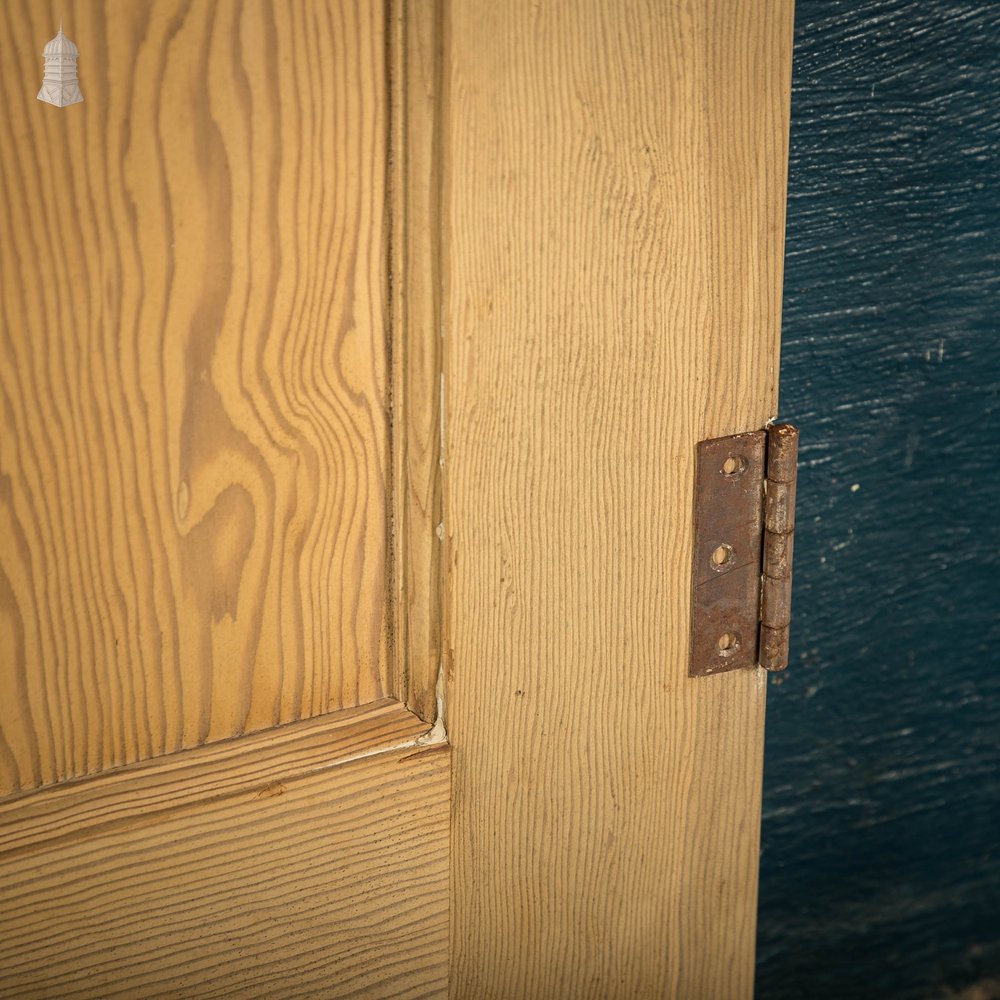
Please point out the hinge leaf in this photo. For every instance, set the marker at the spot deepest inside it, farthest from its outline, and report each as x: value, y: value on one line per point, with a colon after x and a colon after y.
x: 744, y: 523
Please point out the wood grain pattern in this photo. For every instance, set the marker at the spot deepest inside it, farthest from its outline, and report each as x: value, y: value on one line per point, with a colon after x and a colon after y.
x: 213, y: 771
x: 613, y: 216
x: 285, y: 869
x: 193, y: 377
x: 416, y: 348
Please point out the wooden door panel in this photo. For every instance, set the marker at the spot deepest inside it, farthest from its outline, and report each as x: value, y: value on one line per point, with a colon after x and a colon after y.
x: 311, y: 861
x: 193, y: 377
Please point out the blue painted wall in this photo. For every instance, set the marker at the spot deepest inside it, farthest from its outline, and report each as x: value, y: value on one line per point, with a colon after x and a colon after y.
x: 880, y: 870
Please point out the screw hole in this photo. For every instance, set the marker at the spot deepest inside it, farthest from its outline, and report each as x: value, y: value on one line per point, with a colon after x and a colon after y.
x: 734, y: 465
x: 728, y: 643
x: 722, y: 556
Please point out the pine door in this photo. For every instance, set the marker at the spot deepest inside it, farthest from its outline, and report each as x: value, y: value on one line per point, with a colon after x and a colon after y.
x: 352, y: 362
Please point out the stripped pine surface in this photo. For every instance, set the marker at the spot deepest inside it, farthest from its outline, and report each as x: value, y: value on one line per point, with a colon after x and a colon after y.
x: 612, y: 230
x: 312, y: 862
x: 193, y: 377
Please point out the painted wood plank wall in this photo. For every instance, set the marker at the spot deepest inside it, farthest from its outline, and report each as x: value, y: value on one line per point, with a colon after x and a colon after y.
x: 882, y: 762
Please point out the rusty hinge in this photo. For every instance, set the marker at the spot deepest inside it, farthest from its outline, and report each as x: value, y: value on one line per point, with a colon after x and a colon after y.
x: 744, y: 525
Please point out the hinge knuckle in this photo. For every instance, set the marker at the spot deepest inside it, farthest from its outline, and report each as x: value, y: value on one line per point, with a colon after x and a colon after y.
x: 782, y: 453
x: 776, y: 603
x: 779, y: 508
x: 779, y: 538
x: 778, y: 554
x: 773, y: 648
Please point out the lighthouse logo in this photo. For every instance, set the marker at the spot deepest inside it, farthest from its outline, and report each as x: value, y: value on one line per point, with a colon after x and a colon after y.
x: 60, y: 86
